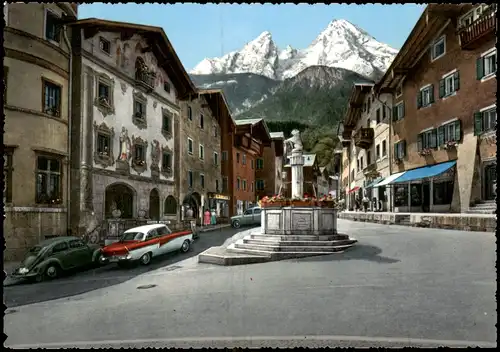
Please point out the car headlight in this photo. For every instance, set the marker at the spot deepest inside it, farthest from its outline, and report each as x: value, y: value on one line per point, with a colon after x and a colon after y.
x: 23, y: 270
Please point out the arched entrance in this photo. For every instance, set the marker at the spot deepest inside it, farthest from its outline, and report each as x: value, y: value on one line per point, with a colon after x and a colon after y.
x: 170, y: 206
x: 154, y: 204
x: 119, y: 196
x: 193, y: 201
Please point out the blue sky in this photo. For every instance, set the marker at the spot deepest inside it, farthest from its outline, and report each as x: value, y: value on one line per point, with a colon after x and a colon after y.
x: 199, y: 31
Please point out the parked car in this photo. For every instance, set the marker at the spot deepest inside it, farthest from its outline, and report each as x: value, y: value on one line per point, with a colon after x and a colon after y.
x: 141, y: 244
x: 50, y: 258
x: 251, y: 216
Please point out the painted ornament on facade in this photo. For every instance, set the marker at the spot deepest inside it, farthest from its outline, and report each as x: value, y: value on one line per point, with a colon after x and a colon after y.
x: 155, y: 153
x: 124, y: 145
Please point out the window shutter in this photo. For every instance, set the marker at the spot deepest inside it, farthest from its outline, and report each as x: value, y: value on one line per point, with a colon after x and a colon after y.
x: 419, y: 142
x: 396, y: 151
x: 402, y: 110
x: 478, y: 123
x: 395, y: 113
x: 480, y: 68
x: 403, y: 148
x: 441, y: 88
x: 431, y: 93
x: 456, y: 78
x: 419, y: 100
x: 440, y: 133
x: 433, y: 142
x: 458, y: 130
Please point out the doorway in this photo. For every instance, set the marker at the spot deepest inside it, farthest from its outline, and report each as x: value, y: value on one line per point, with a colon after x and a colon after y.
x: 426, y: 197
x: 490, y: 181
x: 154, y: 205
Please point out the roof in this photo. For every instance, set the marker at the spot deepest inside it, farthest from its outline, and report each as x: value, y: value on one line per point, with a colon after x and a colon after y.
x: 248, y: 121
x: 56, y: 239
x: 277, y: 135
x: 158, y: 42
x: 255, y: 122
x: 221, y: 98
x: 145, y: 228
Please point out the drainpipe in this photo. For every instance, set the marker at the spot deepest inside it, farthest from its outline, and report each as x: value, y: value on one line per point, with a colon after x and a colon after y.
x: 70, y: 90
x: 389, y: 147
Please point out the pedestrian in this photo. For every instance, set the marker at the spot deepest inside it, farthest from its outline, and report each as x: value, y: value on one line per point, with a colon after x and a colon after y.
x: 366, y: 202
x: 206, y: 217
x: 213, y: 217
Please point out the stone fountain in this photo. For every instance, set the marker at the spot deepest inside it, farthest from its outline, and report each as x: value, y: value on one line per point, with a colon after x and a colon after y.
x: 286, y: 231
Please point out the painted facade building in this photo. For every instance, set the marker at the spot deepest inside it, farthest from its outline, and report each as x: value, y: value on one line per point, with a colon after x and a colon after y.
x: 37, y: 109
x: 444, y: 87
x: 128, y: 83
x: 269, y: 168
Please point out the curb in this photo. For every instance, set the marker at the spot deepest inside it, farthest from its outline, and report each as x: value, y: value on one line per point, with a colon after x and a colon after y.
x: 219, y: 227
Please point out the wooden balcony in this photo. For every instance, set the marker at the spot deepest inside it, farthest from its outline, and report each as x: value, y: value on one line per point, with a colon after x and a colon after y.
x: 363, y: 138
x: 479, y: 31
x: 145, y: 79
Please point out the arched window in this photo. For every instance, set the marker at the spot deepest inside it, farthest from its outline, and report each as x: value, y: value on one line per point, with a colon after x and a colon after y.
x: 170, y: 206
x: 190, y: 113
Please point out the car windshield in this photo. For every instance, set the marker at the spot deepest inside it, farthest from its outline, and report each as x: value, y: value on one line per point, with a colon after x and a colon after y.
x: 35, y: 250
x: 132, y: 236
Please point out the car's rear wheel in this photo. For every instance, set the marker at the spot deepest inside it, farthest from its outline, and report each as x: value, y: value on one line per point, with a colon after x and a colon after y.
x: 185, y: 246
x: 145, y: 259
x: 236, y: 224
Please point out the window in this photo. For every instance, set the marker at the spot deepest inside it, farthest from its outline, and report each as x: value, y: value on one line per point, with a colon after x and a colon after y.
x: 377, y: 148
x: 190, y: 179
x: 224, y: 184
x: 166, y: 125
x: 60, y: 247
x: 378, y: 116
x: 190, y: 113
x: 202, y: 152
x: 170, y: 206
x: 139, y: 152
x: 357, y: 165
x: 166, y: 87
x: 368, y: 158
x: 7, y: 171
x: 202, y: 181
x: 252, y: 164
x: 400, y: 150
x: 251, y: 187
x: 384, y: 113
x: 384, y: 148
x: 217, y: 186
x: 224, y: 155
x: 449, y: 132
x: 103, y: 144
x: 238, y: 183
x: 166, y: 162
x: 201, y: 121
x: 104, y: 45
x: 260, y: 164
x: 138, y: 109
x: 361, y: 163
x: 48, y: 180
x: 425, y: 97
x: 244, y: 184
x: 244, y: 159
x: 443, y: 192
x: 259, y: 184
x: 486, y: 66
x: 401, y: 195
x: 237, y: 157
x: 216, y: 131
x: 398, y: 112
x: 52, y: 27
x: 485, y: 121
x: 368, y: 104
x: 51, y: 98
x: 190, y: 146
x: 76, y: 244
x: 399, y: 90
x: 438, y: 48
x: 427, y: 140
x: 449, y: 84
x: 216, y: 158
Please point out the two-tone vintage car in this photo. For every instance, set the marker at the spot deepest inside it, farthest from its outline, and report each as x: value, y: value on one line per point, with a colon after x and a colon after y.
x: 141, y: 244
x: 250, y: 217
x: 51, y: 257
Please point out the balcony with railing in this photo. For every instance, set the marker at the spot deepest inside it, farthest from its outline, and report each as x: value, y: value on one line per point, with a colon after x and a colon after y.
x: 474, y: 33
x: 145, y: 79
x: 363, y: 138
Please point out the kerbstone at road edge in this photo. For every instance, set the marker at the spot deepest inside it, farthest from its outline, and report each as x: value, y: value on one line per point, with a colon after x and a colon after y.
x: 398, y: 282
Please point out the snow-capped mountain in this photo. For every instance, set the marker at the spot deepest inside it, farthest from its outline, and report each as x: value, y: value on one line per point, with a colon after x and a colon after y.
x: 341, y: 45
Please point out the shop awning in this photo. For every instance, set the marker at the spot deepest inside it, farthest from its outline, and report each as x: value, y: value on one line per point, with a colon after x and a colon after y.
x: 425, y: 172
x: 389, y: 179
x: 374, y: 182
x: 353, y: 189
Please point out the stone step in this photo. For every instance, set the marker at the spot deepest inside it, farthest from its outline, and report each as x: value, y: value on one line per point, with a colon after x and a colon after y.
x: 481, y: 211
x: 279, y: 255
x: 261, y: 236
x: 297, y: 243
x: 222, y: 256
x: 484, y: 206
x: 281, y: 248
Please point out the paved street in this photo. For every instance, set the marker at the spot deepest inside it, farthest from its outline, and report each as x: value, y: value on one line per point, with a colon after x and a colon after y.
x: 399, y: 286
x: 26, y: 293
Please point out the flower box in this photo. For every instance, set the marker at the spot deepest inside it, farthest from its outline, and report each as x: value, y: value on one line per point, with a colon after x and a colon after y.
x: 302, y: 203
x: 277, y: 204
x: 326, y: 204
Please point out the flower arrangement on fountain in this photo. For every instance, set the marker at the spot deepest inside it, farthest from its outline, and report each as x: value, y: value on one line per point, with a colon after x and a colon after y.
x: 450, y: 144
x: 327, y: 201
x: 274, y: 201
x: 305, y: 200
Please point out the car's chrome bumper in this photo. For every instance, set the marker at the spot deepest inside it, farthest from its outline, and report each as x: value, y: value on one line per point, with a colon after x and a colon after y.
x: 116, y: 258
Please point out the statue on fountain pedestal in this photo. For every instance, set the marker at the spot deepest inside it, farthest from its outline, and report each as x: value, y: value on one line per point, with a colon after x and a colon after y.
x: 294, y: 143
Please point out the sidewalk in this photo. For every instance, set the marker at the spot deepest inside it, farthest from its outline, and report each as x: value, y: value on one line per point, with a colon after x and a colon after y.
x: 451, y: 221
x: 209, y: 228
